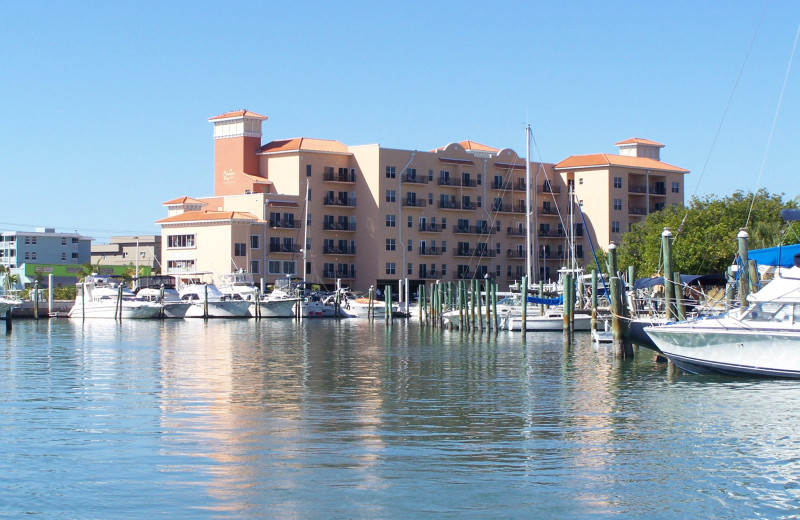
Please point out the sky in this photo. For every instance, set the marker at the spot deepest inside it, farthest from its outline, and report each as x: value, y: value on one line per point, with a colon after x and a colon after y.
x: 106, y: 104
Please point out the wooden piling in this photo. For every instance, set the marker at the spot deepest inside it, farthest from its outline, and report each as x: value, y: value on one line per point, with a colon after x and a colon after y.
x: 9, y: 319
x: 36, y: 300
x: 669, y: 290
x: 524, y: 323
x: 680, y: 310
x: 205, y: 302
x: 594, y: 300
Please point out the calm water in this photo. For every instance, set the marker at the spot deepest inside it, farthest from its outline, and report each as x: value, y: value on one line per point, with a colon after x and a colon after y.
x: 324, y: 419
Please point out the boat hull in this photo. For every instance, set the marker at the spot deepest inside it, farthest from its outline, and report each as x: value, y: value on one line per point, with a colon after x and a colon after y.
x: 220, y: 309
x: 548, y: 323
x: 130, y: 311
x: 276, y: 308
x: 706, y: 350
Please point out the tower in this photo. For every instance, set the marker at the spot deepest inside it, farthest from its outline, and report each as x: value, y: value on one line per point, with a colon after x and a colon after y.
x: 237, y: 138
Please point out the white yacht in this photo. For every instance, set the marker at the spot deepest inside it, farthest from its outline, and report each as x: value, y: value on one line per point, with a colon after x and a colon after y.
x: 160, y: 289
x: 207, y: 300
x: 762, y: 339
x: 8, y: 302
x: 240, y: 286
x: 105, y: 296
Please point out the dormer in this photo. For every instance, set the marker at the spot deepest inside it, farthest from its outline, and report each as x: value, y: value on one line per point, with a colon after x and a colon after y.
x: 636, y: 147
x: 182, y: 205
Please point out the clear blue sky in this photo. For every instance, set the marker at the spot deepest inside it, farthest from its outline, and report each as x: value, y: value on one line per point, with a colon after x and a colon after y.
x: 105, y: 104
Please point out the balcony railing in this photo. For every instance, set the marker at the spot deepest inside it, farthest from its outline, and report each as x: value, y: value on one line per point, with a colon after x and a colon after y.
x: 284, y: 248
x: 336, y: 250
x: 637, y: 211
x: 473, y: 230
x: 336, y: 201
x: 429, y: 251
x: 519, y: 185
x: 636, y: 189
x: 654, y: 190
x: 504, y: 185
x: 515, y: 253
x: 501, y: 208
x: 415, y: 203
x: 348, y: 274
x: 546, y: 188
x: 415, y: 179
x: 430, y: 228
x: 454, y: 204
x: 339, y: 177
x: 286, y: 224
x: 549, y: 233
x: 428, y: 275
x: 515, y: 232
x: 547, y: 211
x: 339, y: 226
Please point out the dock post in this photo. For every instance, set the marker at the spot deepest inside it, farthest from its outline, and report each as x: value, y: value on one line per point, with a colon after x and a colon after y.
x: 36, y: 300
x: 541, y: 295
x: 524, y: 323
x: 9, y: 320
x: 594, y: 300
x: 50, y: 294
x: 83, y: 300
x: 494, y: 305
x: 622, y: 347
x: 669, y: 290
x: 205, y: 302
x: 743, y: 237
x: 118, y: 312
x: 680, y: 310
x: 567, y: 294
x: 752, y: 275
x: 387, y: 303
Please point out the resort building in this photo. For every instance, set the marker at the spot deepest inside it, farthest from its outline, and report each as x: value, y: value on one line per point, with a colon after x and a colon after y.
x: 370, y: 215
x: 143, y: 250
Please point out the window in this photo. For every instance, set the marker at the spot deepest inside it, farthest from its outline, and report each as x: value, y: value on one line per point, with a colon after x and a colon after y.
x: 33, y: 240
x: 410, y: 221
x: 444, y: 243
x: 579, y: 251
x: 391, y: 196
x: 289, y: 267
x: 444, y: 270
x: 618, y: 182
x: 617, y: 204
x: 178, y: 266
x: 308, y: 194
x: 659, y: 206
x: 308, y: 170
x: 410, y: 269
x: 28, y: 240
x: 390, y: 221
x: 615, y: 227
x: 390, y: 244
x: 479, y: 179
x: 33, y: 255
x: 274, y: 244
x: 255, y: 242
x: 390, y: 268
x: 254, y: 266
x: 676, y: 187
x: 580, y: 180
x: 430, y: 199
x: 63, y: 241
x: 27, y: 256
x: 180, y: 241
x: 74, y: 255
x: 430, y: 175
x: 308, y: 220
x: 479, y: 201
x: 410, y: 248
x: 239, y: 249
x: 274, y: 267
x: 74, y: 240
x: 390, y: 172
x: 63, y: 256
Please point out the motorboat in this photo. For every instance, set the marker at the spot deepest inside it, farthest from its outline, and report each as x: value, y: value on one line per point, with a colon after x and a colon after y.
x: 762, y: 339
x: 105, y: 296
x: 314, y: 306
x: 207, y: 300
x: 161, y: 289
x: 277, y: 304
x: 8, y: 302
x: 506, y: 305
x: 552, y: 319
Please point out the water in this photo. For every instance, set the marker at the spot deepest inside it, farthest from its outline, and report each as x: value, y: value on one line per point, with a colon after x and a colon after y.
x: 325, y: 419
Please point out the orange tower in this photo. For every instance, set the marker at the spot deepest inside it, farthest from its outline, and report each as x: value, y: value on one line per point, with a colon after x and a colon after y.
x: 237, y: 139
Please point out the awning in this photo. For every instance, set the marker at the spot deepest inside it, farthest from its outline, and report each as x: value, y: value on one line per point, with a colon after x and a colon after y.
x: 686, y: 279
x: 782, y: 256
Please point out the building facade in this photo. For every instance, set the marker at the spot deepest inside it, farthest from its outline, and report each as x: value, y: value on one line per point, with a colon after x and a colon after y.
x: 371, y: 215
x: 43, y: 246
x: 143, y: 250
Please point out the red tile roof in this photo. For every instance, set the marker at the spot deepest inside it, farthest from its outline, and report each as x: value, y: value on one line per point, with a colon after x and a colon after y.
x: 257, y: 179
x: 304, y: 143
x: 183, y: 200
x: 207, y: 216
x: 472, y: 145
x: 237, y: 113
x: 638, y: 140
x: 607, y: 159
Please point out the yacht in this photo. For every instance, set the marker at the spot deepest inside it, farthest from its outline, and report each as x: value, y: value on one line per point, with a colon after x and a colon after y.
x: 207, y: 300
x: 161, y: 289
x: 105, y: 296
x: 760, y: 339
x: 8, y: 302
x: 239, y: 285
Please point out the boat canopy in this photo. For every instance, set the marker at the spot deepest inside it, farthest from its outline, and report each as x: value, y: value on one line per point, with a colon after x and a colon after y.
x: 781, y: 256
x: 783, y: 289
x: 686, y: 279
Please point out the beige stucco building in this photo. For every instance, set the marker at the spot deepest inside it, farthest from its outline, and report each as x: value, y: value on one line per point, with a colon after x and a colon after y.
x: 372, y: 215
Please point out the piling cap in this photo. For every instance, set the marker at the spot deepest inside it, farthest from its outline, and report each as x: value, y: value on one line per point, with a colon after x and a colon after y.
x: 743, y: 233
x: 612, y: 245
x: 666, y: 232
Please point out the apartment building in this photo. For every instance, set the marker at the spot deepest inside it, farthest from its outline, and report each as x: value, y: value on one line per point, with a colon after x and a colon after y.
x: 43, y: 246
x: 372, y: 215
x: 143, y: 250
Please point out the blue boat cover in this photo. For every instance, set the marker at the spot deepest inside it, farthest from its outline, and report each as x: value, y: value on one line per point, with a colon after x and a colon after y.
x: 546, y: 301
x: 686, y: 279
x: 777, y: 256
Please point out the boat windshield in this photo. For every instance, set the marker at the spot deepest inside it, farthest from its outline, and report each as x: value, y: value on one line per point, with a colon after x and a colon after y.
x: 773, y: 312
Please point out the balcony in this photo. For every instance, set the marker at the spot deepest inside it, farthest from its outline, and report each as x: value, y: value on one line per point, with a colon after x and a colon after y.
x: 444, y: 204
x: 349, y: 202
x: 414, y: 179
x: 429, y: 275
x: 336, y: 250
x: 479, y: 253
x: 547, y: 188
x: 549, y: 233
x: 637, y: 190
x: 658, y: 190
x: 414, y: 203
x: 339, y: 177
x: 515, y: 253
x: 344, y: 274
x: 284, y: 248
x: 637, y: 212
x: 551, y: 256
x: 519, y: 185
x: 473, y: 230
x: 504, y: 185
x: 501, y: 208
x: 339, y: 226
x: 455, y: 182
x: 430, y: 228
x: 429, y: 251
x: 284, y: 224
x: 547, y: 212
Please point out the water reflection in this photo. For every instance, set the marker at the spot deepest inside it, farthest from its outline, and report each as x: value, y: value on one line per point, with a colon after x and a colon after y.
x: 359, y: 420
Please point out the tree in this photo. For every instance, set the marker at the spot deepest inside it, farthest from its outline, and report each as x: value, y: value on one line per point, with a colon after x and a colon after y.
x: 705, y: 232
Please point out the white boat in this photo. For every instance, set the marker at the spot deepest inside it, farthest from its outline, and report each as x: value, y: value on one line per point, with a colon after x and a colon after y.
x: 505, y: 305
x: 160, y: 289
x: 239, y: 286
x: 8, y: 302
x: 278, y: 304
x: 762, y: 339
x: 207, y: 300
x: 315, y: 307
x: 103, y: 296
x: 552, y: 319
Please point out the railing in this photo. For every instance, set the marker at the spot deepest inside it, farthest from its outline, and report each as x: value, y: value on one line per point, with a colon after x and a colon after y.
x: 291, y: 224
x: 338, y: 226
x: 501, y: 208
x: 463, y: 252
x: 547, y: 211
x: 473, y: 230
x: 637, y: 189
x: 284, y: 248
x: 505, y: 185
x: 658, y: 191
x: 336, y: 250
x: 551, y: 234
x: 429, y: 251
x: 515, y: 253
x: 429, y: 275
x: 415, y: 203
x: 338, y: 177
x: 328, y: 273
x: 415, y: 179
x: 545, y: 188
x: 430, y: 228
x: 334, y: 201
x: 515, y: 232
x: 519, y: 185
x: 637, y: 211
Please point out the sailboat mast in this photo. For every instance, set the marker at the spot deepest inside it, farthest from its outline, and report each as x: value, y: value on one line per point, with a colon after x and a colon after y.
x: 528, y: 187
x: 305, y: 236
